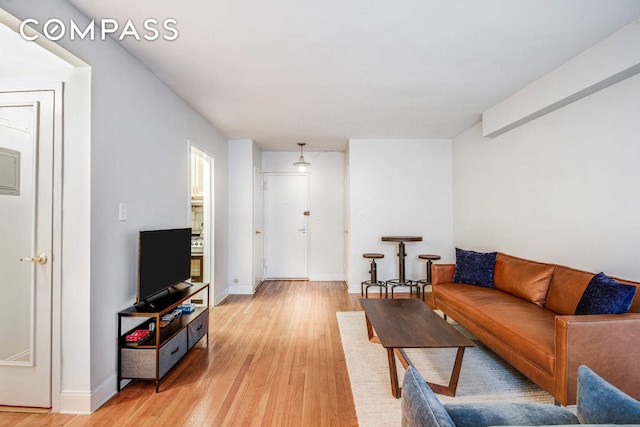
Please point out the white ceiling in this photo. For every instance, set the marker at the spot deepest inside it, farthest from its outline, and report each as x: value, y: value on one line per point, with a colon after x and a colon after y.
x: 325, y: 71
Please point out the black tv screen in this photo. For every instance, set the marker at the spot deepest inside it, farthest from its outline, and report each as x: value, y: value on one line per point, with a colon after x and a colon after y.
x: 164, y: 260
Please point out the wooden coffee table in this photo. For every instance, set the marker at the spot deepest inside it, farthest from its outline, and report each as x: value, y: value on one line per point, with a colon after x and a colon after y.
x: 409, y: 323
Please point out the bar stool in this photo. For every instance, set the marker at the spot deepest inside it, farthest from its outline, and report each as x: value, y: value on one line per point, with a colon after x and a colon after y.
x: 426, y: 282
x: 402, y: 280
x: 373, y: 279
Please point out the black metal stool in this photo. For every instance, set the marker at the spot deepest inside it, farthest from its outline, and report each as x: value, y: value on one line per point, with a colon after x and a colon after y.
x: 373, y: 278
x: 402, y: 280
x: 426, y: 282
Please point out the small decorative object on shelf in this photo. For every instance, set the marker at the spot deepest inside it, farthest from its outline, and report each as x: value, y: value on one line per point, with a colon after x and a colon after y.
x: 138, y: 335
x: 187, y: 308
x: 170, y: 316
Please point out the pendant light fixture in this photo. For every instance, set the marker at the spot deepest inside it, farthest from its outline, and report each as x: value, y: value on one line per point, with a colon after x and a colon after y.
x: 301, y: 164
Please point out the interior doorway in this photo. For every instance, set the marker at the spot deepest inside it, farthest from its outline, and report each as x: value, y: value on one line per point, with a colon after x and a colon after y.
x: 201, y: 213
x: 27, y: 145
x: 287, y: 226
x: 258, y: 226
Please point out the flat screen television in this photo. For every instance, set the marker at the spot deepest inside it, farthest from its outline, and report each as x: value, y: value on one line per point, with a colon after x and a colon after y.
x: 164, y: 260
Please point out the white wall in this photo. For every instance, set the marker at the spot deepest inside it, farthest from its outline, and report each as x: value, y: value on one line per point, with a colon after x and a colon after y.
x: 326, y: 203
x: 28, y: 63
x: 244, y: 156
x: 139, y: 156
x: 240, y: 248
x: 398, y: 187
x: 564, y: 188
x: 136, y: 154
x: 608, y: 62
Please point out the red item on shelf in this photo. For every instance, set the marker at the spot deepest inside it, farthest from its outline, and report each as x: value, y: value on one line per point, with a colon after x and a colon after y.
x: 137, y: 335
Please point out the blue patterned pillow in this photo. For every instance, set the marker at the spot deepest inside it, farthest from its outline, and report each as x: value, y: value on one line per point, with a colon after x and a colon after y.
x: 475, y: 268
x: 605, y: 296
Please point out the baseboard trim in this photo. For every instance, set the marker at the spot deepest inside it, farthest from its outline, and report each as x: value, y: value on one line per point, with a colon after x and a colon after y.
x: 354, y: 288
x: 79, y: 402
x: 105, y: 391
x: 75, y: 402
x: 337, y: 277
x: 220, y: 298
x: 241, y: 290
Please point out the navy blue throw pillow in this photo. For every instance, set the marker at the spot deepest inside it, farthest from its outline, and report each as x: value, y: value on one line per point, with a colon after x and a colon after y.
x: 475, y: 268
x: 605, y: 296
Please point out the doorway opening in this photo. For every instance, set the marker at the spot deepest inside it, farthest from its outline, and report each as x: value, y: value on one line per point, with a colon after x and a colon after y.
x: 28, y: 144
x: 258, y: 225
x: 201, y: 214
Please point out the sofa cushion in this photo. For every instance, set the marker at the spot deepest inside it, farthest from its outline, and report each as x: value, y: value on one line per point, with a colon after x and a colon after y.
x: 605, y: 296
x: 599, y: 402
x: 504, y: 414
x: 420, y: 406
x: 526, y: 327
x: 525, y: 279
x: 474, y: 268
x: 566, y: 288
x: 568, y: 285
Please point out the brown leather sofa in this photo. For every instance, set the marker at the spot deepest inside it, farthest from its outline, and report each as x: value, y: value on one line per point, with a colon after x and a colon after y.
x: 528, y: 319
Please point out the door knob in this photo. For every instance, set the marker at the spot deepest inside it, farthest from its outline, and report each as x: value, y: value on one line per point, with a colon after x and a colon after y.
x: 40, y: 259
x: 258, y: 232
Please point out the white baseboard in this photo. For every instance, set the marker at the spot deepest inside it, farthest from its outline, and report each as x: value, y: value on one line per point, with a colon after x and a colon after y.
x: 241, y: 290
x: 219, y: 298
x: 105, y: 391
x: 75, y: 402
x: 330, y: 277
x: 354, y: 288
x: 82, y: 402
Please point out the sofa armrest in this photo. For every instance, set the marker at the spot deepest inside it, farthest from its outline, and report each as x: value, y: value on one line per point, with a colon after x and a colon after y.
x: 606, y: 343
x: 442, y: 273
x: 509, y: 414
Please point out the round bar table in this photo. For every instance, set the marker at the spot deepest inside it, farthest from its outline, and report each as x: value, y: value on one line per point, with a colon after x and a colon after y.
x: 401, y: 281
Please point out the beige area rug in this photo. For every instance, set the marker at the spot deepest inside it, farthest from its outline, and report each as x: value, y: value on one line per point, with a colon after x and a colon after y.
x: 484, y: 377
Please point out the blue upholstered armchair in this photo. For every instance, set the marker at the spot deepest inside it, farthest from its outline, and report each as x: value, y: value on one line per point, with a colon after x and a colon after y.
x: 598, y: 403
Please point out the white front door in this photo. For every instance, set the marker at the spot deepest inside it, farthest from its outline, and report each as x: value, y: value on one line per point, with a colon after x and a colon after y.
x: 258, y: 226
x: 26, y: 241
x: 287, y: 226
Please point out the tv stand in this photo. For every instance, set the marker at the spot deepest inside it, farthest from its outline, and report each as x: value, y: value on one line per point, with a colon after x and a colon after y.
x: 154, y: 358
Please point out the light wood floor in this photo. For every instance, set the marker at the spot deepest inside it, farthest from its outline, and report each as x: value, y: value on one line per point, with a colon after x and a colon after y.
x: 273, y: 359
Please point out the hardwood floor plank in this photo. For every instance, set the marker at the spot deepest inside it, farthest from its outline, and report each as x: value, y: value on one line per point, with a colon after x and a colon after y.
x: 273, y: 359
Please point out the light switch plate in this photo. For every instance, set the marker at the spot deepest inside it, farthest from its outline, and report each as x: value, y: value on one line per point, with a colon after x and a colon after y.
x: 122, y: 212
